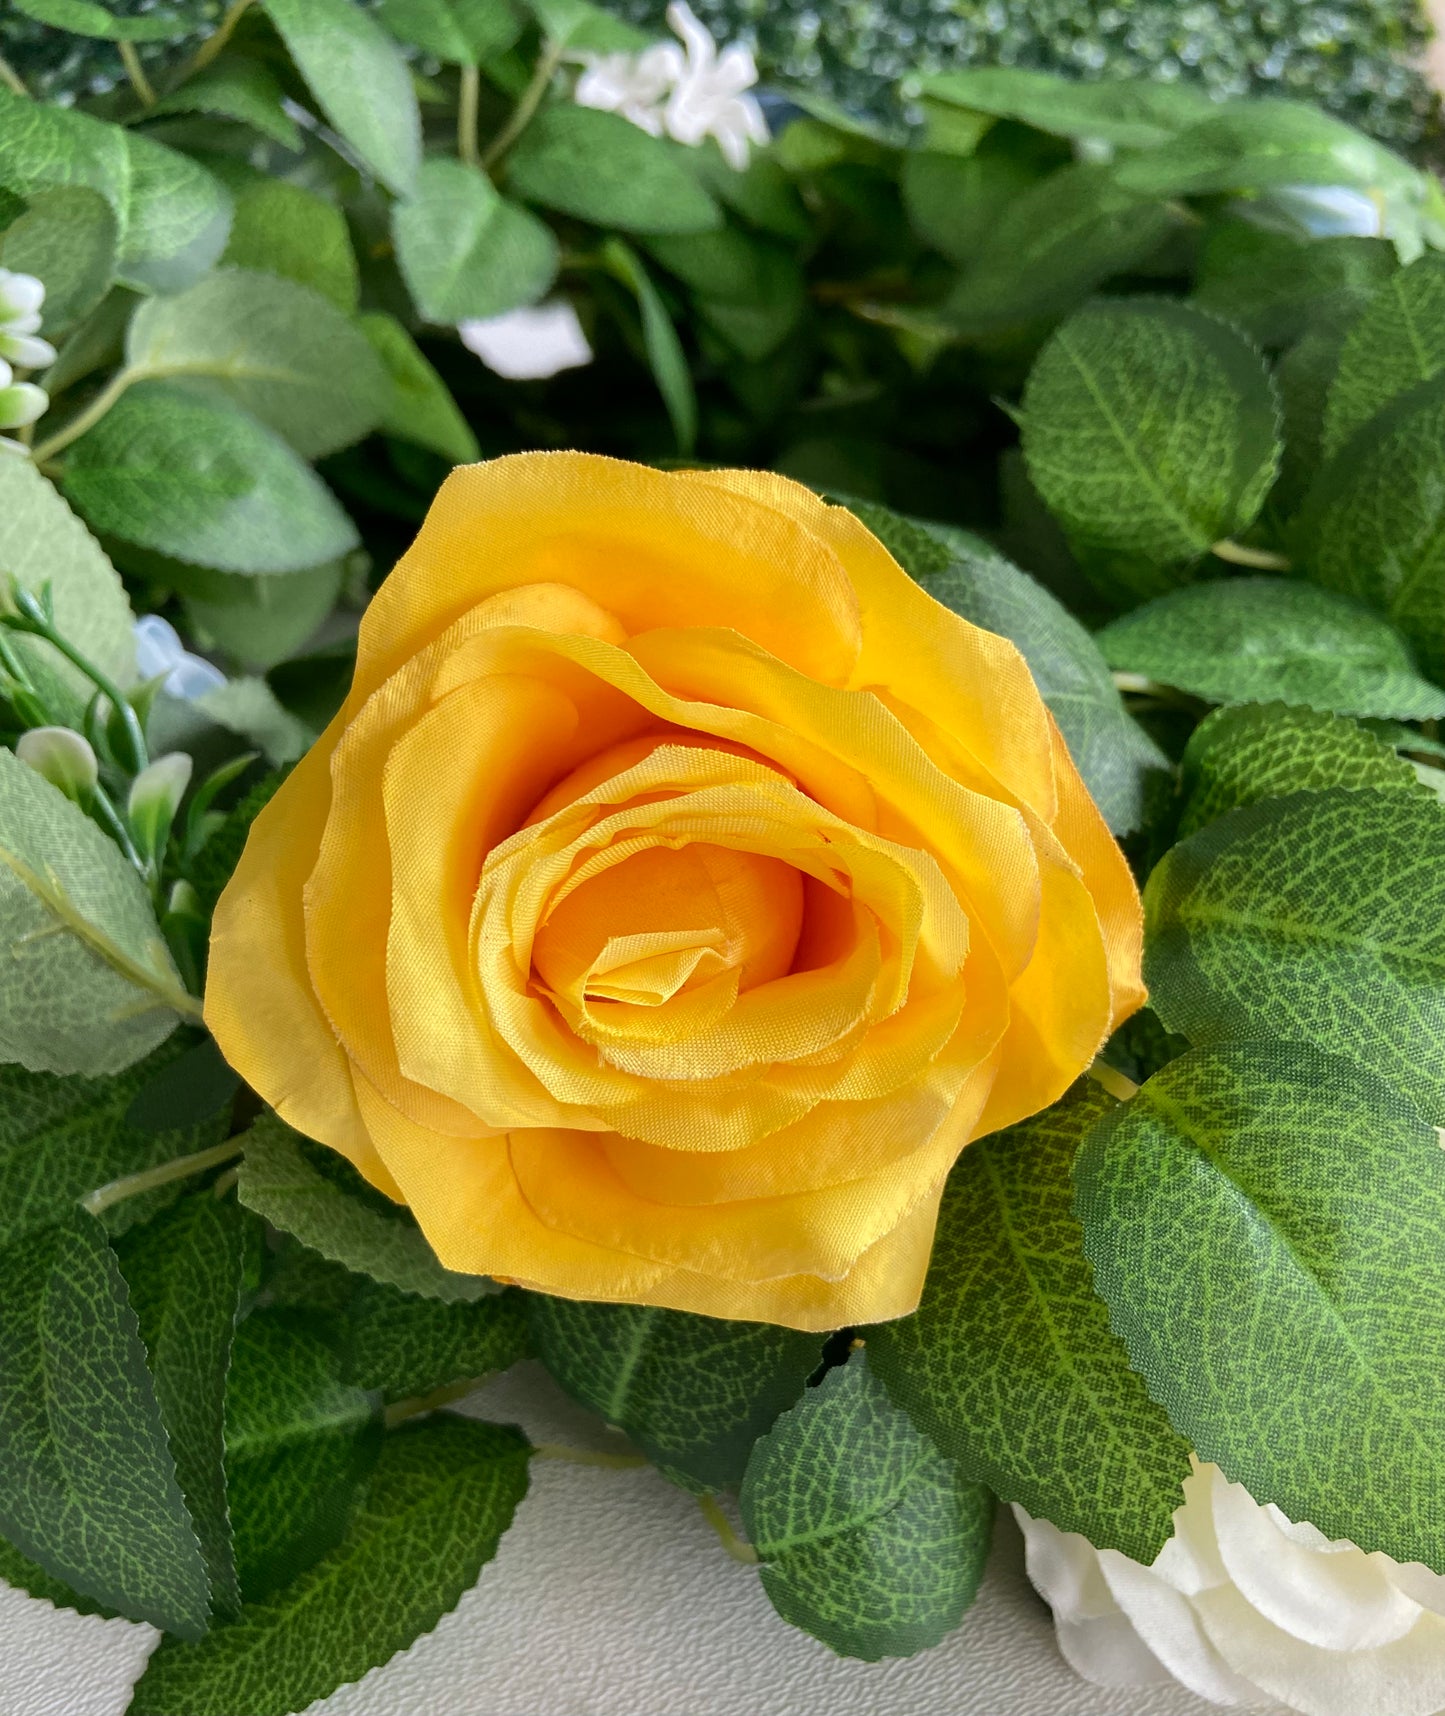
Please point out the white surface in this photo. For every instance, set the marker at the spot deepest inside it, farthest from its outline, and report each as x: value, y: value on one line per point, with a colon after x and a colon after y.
x: 612, y: 1597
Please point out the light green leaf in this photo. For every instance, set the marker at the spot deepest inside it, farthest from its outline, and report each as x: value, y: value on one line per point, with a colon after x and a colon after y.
x: 466, y: 32
x: 1253, y: 640
x: 1309, y: 918
x: 67, y: 238
x: 184, y: 1273
x: 260, y: 621
x: 585, y: 28
x: 276, y: 349
x: 1268, y: 750
x: 406, y: 1347
x: 1134, y: 115
x: 870, y: 1539
x: 465, y: 251
x: 237, y: 88
x: 311, y: 1192
x: 443, y: 1493
x: 1397, y: 343
x: 1263, y: 1221
x: 1009, y: 1363
x: 421, y: 410
x: 86, y: 984
x: 694, y: 1393
x: 299, y: 1445
x: 195, y: 480
x: 86, y: 18
x: 1152, y: 431
x: 281, y: 228
x: 250, y: 709
x: 363, y: 84
x: 665, y: 356
x: 87, y: 1484
x: 600, y: 168
x: 172, y: 214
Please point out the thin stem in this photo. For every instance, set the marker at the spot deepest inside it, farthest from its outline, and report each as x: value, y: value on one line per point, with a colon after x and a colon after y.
x: 468, y: 147
x: 530, y: 101
x: 722, y: 1525
x: 1258, y: 559
x: 223, y: 1182
x: 1111, y: 1079
x: 213, y: 43
x: 12, y: 78
x: 115, y: 827
x: 399, y: 1411
x: 136, y: 72
x: 88, y: 418
x: 35, y: 623
x: 179, y: 1168
x: 587, y: 1456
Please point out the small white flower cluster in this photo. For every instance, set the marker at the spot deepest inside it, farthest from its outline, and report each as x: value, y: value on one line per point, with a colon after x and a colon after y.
x: 687, y: 93
x: 21, y: 402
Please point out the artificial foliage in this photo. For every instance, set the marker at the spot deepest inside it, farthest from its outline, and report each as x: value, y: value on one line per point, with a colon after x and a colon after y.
x: 1150, y: 385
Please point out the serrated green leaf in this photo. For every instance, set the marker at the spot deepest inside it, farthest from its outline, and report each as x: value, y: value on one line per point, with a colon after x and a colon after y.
x: 870, y: 1539
x: 212, y: 867
x: 421, y: 408
x: 281, y: 228
x: 86, y: 18
x: 465, y: 251
x: 276, y: 349
x: 183, y: 1270
x: 238, y: 88
x: 1134, y: 115
x: 172, y: 214
x: 407, y: 1347
x: 1268, y: 750
x: 1262, y: 1220
x: 442, y: 1494
x: 465, y: 32
x: 67, y: 238
x: 194, y: 479
x: 1151, y: 431
x: 260, y: 621
x: 1009, y: 1364
x: 1309, y: 918
x: 1397, y: 343
x: 693, y: 1392
x: 1253, y: 640
x: 665, y: 356
x: 1275, y: 286
x: 311, y: 1192
x: 600, y: 168
x: 29, y: 1576
x: 363, y: 84
x: 299, y: 1443
x: 87, y: 1484
x: 87, y: 984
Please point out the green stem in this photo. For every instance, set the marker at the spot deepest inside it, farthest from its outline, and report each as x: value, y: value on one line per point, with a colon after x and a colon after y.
x: 1258, y: 559
x: 135, y: 71
x: 213, y: 43
x: 115, y: 827
x: 399, y: 1411
x: 88, y: 418
x: 179, y: 1168
x: 531, y: 100
x: 1111, y: 1079
x: 588, y: 1456
x: 468, y: 147
x: 722, y: 1525
x: 35, y: 622
x: 12, y: 78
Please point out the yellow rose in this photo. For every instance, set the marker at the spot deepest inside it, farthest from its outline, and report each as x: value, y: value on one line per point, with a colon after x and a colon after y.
x: 677, y: 893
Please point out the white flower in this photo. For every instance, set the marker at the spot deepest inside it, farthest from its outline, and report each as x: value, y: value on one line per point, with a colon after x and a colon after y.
x: 26, y: 349
x: 1245, y: 1607
x: 634, y: 85
x: 159, y: 650
x: 529, y: 344
x: 21, y: 296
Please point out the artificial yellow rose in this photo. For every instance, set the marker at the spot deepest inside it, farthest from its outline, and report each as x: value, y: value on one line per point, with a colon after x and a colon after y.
x: 677, y: 893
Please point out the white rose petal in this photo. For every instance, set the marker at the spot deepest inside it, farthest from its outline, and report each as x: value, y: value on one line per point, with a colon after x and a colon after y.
x: 529, y: 344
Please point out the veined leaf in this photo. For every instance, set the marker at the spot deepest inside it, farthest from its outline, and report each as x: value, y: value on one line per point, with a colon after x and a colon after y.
x: 421, y: 409
x: 1397, y: 343
x: 260, y: 621
x: 281, y: 228
x: 665, y: 356
x: 1276, y: 287
x: 67, y: 238
x: 407, y: 1346
x: 239, y: 88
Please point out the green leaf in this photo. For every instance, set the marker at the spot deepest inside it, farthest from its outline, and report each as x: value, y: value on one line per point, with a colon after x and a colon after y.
x: 184, y: 1274
x: 274, y: 348
x: 870, y: 1539
x: 87, y: 1484
x: 194, y: 1089
x: 1374, y: 523
x: 1151, y: 431
x: 1275, y: 286
x: 260, y: 621
x: 1134, y: 115
x: 247, y: 708
x: 194, y: 479
x: 313, y: 1193
x: 218, y: 858
x: 465, y: 32
x: 281, y: 228
x: 603, y: 169
x: 1397, y: 343
x: 1263, y: 1221
x: 1053, y: 245
x: 665, y: 356
x: 421, y: 410
x: 241, y: 89
x: 86, y: 18
x: 86, y: 984
x: 29, y: 1576
x: 299, y: 1443
x: 1009, y: 1364
x: 465, y: 251
x: 1309, y: 918
x: 1253, y: 640
x: 172, y: 214
x: 694, y: 1393
x: 443, y: 1493
x: 363, y: 84
x: 956, y: 202
x: 67, y: 238
x: 762, y: 194
x: 585, y: 28
x: 1267, y: 750
x: 406, y: 1347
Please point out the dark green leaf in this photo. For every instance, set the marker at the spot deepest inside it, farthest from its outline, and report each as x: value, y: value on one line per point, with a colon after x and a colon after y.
x: 665, y: 356
x: 466, y: 32
x: 762, y: 194
x: 240, y: 89
x: 870, y: 1539
x: 1009, y: 1365
x: 1310, y: 918
x: 421, y: 409
x: 1275, y: 286
x: 67, y: 238
x: 407, y: 1346
x: 29, y: 1576
x: 212, y: 869
x: 1263, y: 1221
x: 260, y: 621
x: 1397, y: 343
x: 956, y: 202
x: 443, y: 1493
x: 281, y: 228
x: 194, y: 1090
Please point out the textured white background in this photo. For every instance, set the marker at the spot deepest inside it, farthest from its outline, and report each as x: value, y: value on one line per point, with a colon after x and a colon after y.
x: 611, y: 1597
